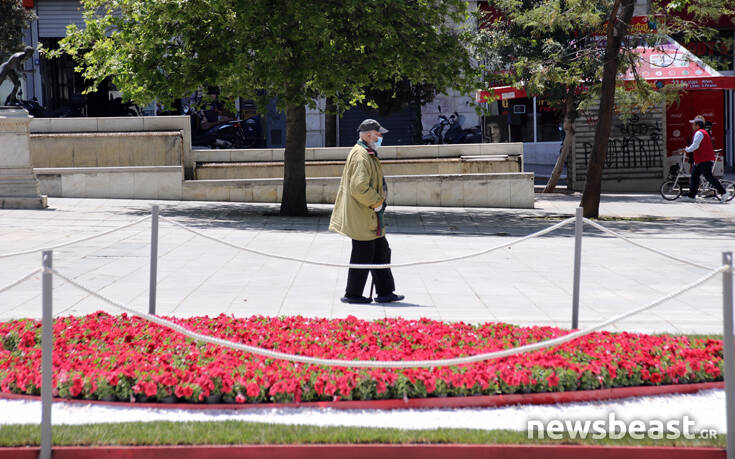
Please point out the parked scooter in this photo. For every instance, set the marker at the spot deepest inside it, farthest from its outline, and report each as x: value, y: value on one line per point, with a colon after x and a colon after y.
x: 435, y: 135
x: 455, y: 133
x: 230, y: 134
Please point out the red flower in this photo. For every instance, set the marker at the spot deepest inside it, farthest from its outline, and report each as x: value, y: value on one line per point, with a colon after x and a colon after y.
x: 28, y: 339
x: 76, y: 386
x: 253, y: 390
x: 131, y: 352
x: 150, y: 389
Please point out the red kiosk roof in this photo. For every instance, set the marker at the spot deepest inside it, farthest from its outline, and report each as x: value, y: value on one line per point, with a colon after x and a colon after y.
x: 672, y: 63
x: 665, y: 64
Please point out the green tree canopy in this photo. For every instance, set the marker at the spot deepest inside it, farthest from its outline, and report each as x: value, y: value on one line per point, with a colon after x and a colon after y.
x: 296, y: 51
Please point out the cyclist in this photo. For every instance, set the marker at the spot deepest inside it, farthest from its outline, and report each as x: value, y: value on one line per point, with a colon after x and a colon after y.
x: 702, y: 159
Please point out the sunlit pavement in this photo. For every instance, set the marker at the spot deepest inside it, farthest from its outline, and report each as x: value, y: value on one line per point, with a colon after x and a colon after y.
x: 527, y: 284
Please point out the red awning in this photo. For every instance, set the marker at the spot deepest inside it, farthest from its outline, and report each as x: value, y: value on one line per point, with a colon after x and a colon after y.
x: 499, y: 93
x: 672, y: 63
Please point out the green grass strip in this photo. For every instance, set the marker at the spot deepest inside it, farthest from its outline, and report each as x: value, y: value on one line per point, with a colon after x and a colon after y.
x: 245, y: 433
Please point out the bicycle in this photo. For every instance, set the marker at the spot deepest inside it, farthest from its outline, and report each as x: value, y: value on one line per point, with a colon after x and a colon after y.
x: 677, y: 180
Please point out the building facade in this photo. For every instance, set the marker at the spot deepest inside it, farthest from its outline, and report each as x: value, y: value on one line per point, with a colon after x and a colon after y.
x: 56, y: 85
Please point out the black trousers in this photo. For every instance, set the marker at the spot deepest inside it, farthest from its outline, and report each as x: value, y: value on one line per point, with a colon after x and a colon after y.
x: 705, y: 169
x: 375, y: 252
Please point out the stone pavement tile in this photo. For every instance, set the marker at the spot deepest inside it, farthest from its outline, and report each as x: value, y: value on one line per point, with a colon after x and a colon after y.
x: 420, y: 299
x: 504, y: 301
x: 583, y: 313
x: 694, y: 326
x: 255, y: 309
x: 318, y: 311
x: 30, y: 291
x: 163, y: 308
x: 248, y: 310
x: 565, y: 316
x: 452, y: 312
x: 458, y: 301
x: 294, y: 301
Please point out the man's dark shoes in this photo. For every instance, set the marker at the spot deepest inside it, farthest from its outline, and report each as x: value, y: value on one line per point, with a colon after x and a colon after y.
x: 356, y: 299
x: 389, y: 298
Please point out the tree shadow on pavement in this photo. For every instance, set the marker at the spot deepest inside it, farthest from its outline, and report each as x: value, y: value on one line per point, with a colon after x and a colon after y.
x: 460, y: 222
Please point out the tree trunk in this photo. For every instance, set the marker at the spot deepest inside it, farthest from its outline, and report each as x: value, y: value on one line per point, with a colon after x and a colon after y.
x: 293, y: 200
x: 617, y: 29
x: 330, y: 124
x: 570, y: 114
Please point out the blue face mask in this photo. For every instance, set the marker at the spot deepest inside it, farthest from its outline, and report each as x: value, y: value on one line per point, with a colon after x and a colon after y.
x: 378, y: 142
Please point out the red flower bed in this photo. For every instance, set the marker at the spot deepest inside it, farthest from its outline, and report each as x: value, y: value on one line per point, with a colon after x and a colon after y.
x: 106, y: 357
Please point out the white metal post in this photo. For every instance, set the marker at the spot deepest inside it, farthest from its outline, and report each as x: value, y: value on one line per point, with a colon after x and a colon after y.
x: 727, y: 342
x: 578, y: 222
x: 47, y: 342
x: 154, y: 262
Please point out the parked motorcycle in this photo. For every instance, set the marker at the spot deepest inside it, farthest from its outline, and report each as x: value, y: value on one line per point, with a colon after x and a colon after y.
x: 231, y: 134
x: 435, y: 135
x: 454, y: 133
x: 37, y: 110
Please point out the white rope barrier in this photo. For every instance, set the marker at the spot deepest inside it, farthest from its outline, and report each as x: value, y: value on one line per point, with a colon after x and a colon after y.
x: 385, y: 363
x: 368, y: 266
x: 18, y: 281
x: 642, y: 246
x: 76, y: 241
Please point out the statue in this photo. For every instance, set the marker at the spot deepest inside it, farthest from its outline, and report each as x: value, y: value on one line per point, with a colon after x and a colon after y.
x: 13, y: 69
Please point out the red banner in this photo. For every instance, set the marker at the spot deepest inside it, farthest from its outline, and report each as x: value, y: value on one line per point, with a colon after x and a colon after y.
x: 709, y: 104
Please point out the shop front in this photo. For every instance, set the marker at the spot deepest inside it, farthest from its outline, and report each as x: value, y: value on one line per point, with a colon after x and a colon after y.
x: 704, y: 91
x: 641, y: 146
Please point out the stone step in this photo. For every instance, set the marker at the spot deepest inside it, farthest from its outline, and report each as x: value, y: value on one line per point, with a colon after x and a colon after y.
x: 505, y: 190
x: 481, y: 164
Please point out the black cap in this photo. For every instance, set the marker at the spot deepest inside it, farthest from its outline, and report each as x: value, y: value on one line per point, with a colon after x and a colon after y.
x: 371, y: 125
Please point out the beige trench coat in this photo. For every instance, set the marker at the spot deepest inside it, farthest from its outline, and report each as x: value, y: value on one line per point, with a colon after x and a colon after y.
x: 360, y: 188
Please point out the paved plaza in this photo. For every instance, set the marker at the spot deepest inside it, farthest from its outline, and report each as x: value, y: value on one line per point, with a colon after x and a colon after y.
x: 527, y: 284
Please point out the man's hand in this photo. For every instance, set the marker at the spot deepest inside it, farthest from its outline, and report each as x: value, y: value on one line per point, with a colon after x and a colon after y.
x: 378, y: 205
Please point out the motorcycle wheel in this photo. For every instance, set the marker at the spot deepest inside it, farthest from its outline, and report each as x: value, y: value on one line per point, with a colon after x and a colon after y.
x: 233, y: 140
x: 246, y: 139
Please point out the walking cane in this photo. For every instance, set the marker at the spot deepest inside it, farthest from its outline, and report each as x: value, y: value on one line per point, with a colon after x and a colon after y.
x: 372, y: 284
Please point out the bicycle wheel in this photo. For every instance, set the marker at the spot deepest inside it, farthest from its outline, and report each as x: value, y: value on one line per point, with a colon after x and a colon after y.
x: 670, y: 190
x: 729, y: 189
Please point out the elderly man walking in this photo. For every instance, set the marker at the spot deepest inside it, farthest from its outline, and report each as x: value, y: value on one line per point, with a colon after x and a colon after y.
x: 358, y: 214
